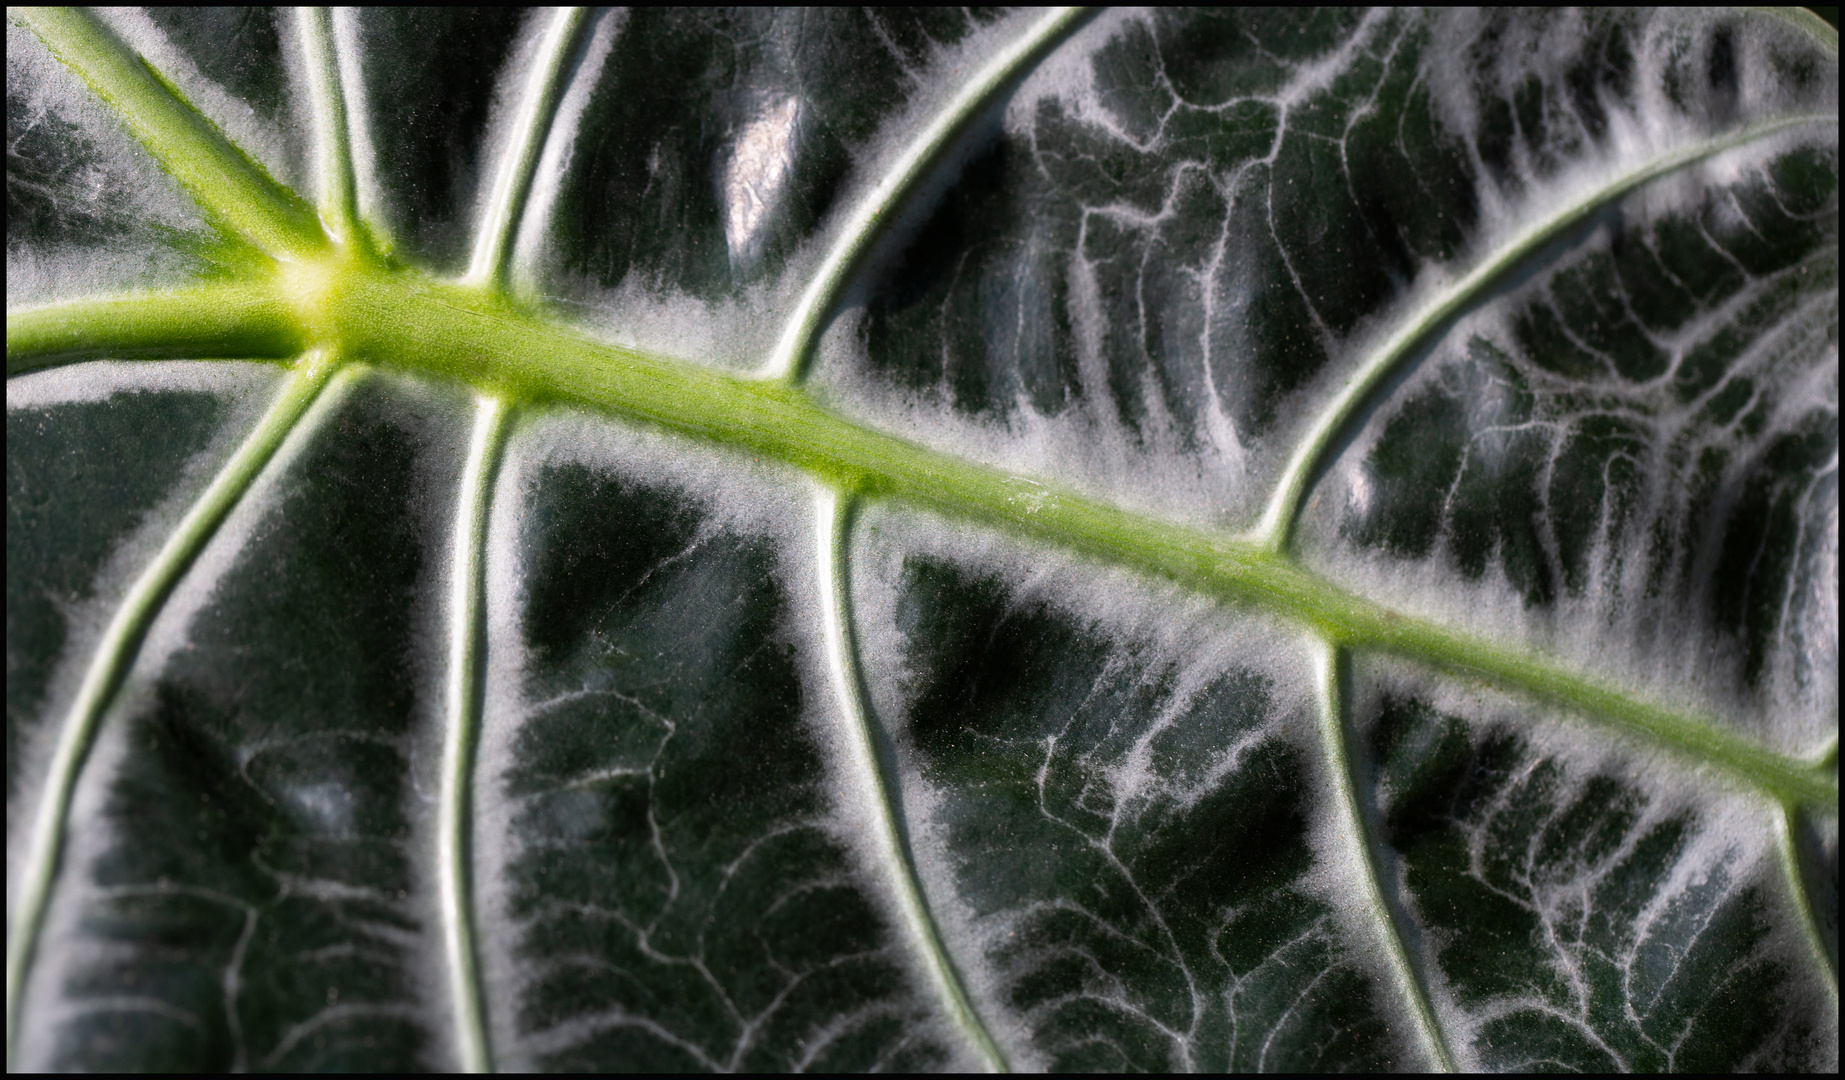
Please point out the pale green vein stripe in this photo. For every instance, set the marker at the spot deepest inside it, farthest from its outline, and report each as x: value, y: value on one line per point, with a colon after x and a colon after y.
x: 538, y: 99
x: 1787, y: 823
x: 466, y: 615
x: 1276, y: 528
x: 206, y: 322
x: 1332, y: 665
x: 228, y: 185
x: 833, y: 519
x: 789, y: 360
x: 120, y: 644
x: 338, y: 195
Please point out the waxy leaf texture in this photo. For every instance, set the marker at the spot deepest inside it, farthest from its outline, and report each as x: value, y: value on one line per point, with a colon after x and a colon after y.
x: 820, y: 539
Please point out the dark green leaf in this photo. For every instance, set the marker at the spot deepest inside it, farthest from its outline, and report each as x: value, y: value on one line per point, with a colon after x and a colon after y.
x: 1392, y: 622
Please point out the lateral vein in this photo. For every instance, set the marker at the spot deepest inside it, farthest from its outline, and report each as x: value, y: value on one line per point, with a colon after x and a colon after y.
x: 120, y: 645
x: 225, y: 181
x: 467, y: 570
x: 833, y: 515
x: 789, y: 360
x: 1334, y: 693
x: 512, y: 182
x: 338, y: 195
x: 1787, y: 843
x: 1431, y: 321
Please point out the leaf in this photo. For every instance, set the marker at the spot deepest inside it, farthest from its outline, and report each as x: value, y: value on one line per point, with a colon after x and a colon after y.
x: 844, y: 540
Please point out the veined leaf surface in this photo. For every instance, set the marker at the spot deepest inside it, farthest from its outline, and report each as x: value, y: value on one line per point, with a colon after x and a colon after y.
x: 797, y: 540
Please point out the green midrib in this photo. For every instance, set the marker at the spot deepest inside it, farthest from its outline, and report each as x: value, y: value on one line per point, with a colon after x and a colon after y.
x: 403, y: 321
x: 361, y: 311
x: 355, y: 309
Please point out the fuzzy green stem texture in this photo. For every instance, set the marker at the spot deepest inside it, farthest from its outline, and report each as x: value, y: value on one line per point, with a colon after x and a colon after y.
x: 404, y: 320
x: 235, y: 191
x: 240, y: 320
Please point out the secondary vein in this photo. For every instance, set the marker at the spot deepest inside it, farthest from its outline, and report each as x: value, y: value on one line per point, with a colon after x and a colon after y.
x: 919, y: 158
x: 1332, y: 666
x: 231, y: 187
x: 467, y: 570
x: 833, y: 515
x: 1432, y: 319
x: 338, y: 196
x: 121, y: 643
x: 538, y: 100
x: 1787, y: 845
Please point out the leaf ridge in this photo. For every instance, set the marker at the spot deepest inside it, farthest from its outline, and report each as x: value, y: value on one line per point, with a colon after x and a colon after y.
x: 1333, y: 690
x: 1787, y: 852
x: 834, y: 513
x: 338, y: 195
x: 116, y: 654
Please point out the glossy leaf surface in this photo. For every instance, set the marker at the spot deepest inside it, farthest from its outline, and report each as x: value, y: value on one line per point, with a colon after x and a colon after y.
x: 845, y: 540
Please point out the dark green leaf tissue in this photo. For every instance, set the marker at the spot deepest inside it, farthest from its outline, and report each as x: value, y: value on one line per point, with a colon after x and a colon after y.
x: 950, y: 540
